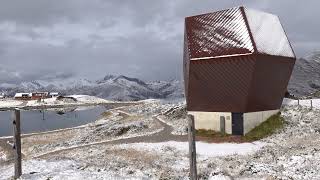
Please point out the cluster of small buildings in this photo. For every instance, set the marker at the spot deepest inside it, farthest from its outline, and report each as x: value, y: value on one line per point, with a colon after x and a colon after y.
x: 35, y: 95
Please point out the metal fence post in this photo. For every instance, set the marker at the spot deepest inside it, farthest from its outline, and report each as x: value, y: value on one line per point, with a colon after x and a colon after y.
x: 17, y: 143
x: 192, y: 148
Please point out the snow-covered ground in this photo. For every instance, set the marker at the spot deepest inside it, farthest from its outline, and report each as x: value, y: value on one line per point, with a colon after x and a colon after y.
x: 79, y: 100
x: 291, y: 153
x: 4, y: 103
x: 57, y: 170
x: 115, y: 126
x: 202, y: 148
x: 314, y: 103
x: 3, y: 155
x: 71, y: 169
x: 89, y: 99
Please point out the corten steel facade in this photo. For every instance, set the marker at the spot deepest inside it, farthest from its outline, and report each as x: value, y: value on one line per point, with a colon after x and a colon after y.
x: 236, y: 60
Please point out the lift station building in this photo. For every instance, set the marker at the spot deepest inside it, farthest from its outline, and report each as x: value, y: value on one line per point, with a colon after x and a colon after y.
x: 237, y: 65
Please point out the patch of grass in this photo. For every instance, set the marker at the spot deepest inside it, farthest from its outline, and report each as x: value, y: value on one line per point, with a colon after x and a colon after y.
x: 106, y: 114
x: 209, y: 133
x: 316, y: 94
x: 266, y: 128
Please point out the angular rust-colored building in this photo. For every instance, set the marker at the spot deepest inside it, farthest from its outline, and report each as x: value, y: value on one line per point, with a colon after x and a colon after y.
x: 237, y: 62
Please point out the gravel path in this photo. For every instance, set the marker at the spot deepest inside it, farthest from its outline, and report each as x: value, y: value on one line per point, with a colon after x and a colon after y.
x: 162, y: 136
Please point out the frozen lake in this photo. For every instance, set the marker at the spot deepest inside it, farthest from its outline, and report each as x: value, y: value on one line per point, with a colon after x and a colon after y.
x: 39, y: 121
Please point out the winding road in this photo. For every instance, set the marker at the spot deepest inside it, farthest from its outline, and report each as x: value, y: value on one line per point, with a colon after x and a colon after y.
x: 165, y: 134
x: 162, y: 136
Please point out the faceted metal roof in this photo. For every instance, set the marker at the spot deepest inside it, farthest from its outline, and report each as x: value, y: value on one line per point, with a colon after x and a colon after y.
x: 236, y: 60
x: 235, y: 31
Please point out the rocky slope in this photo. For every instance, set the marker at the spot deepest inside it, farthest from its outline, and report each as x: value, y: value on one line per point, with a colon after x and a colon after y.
x: 305, y: 78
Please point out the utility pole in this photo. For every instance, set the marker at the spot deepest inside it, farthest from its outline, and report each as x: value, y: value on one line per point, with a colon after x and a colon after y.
x: 192, y: 147
x: 17, y: 143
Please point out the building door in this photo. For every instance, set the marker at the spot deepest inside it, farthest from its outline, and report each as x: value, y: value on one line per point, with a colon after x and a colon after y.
x: 222, y: 124
x: 237, y: 123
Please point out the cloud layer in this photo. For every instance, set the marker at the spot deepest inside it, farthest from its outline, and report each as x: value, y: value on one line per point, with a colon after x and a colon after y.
x: 42, y: 38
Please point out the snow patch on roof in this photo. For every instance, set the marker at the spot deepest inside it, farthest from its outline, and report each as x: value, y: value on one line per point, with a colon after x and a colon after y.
x: 268, y: 33
x: 23, y: 94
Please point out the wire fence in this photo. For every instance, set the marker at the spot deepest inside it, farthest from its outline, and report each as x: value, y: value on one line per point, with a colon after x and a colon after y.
x: 307, y: 103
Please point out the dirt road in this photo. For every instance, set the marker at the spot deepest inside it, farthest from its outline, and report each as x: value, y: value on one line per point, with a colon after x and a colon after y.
x: 164, y: 135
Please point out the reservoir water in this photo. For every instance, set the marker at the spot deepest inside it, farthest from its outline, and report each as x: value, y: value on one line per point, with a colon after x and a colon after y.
x: 46, y: 120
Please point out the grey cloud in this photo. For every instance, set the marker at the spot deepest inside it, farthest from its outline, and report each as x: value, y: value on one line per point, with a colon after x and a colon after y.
x: 8, y: 75
x: 136, y: 38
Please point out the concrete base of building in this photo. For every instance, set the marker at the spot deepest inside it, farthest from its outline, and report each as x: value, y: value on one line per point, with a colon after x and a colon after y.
x: 228, y: 123
x: 253, y: 119
x: 211, y: 121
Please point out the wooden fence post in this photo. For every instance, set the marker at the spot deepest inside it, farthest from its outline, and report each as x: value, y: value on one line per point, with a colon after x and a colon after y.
x: 298, y: 102
x: 43, y: 114
x: 311, y: 103
x: 17, y: 143
x: 192, y: 148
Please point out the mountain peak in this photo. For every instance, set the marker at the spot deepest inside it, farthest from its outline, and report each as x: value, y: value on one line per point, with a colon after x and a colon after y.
x: 109, y: 76
x: 138, y: 81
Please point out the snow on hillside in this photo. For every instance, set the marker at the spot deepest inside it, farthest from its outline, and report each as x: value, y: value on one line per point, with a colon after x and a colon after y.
x: 78, y: 100
x: 314, y: 56
x: 315, y: 103
x: 110, y: 87
x: 305, y: 77
x: 171, y: 89
x: 88, y: 99
x: 55, y: 84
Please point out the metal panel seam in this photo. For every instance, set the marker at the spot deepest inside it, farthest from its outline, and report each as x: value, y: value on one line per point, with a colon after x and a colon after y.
x: 249, y: 30
x: 251, y: 81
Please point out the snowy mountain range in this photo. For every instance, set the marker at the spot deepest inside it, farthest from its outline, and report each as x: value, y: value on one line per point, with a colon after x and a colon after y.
x: 304, y: 81
x: 110, y: 87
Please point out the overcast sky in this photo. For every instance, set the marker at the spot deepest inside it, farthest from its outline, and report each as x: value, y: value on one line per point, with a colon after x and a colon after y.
x: 41, y: 39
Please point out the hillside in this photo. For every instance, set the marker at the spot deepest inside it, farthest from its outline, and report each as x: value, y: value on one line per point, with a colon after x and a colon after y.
x: 148, y: 140
x: 305, y: 78
x: 110, y: 87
